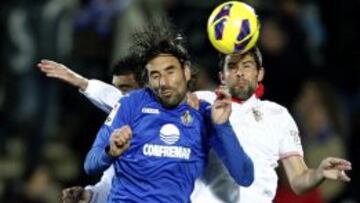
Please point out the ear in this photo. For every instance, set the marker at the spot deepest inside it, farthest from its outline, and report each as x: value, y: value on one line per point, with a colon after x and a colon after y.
x: 261, y: 74
x: 221, y: 77
x: 187, y: 72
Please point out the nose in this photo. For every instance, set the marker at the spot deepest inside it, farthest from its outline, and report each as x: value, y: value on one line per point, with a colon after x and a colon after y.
x: 239, y: 71
x: 162, y: 81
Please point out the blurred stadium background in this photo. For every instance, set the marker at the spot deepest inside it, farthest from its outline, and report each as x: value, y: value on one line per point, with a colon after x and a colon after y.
x: 311, y: 57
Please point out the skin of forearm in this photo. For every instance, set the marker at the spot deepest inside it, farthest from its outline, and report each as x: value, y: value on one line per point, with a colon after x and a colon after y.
x: 306, y: 181
x: 81, y: 82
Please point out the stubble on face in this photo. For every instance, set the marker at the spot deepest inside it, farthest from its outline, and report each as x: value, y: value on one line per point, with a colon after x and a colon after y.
x: 240, y: 76
x: 167, y: 80
x: 243, y: 92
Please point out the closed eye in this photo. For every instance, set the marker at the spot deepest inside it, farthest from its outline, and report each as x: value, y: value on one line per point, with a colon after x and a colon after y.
x: 232, y: 65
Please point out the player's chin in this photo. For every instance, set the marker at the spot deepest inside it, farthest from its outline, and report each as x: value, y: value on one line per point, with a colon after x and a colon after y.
x: 243, y: 95
x: 169, y: 102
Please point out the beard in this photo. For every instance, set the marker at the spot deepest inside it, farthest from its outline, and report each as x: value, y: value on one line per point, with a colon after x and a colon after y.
x: 172, y: 100
x: 243, y: 93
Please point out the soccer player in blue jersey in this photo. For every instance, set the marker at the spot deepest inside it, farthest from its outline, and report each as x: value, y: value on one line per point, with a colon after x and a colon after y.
x: 156, y: 141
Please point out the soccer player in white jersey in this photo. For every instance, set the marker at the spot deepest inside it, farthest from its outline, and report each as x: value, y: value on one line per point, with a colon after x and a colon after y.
x: 267, y: 132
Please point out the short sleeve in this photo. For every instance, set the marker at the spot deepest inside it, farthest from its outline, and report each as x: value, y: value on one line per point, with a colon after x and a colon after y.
x: 207, y: 96
x: 290, y: 142
x: 103, y: 95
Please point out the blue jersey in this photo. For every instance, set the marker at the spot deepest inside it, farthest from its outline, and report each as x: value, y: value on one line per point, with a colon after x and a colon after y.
x: 167, y: 153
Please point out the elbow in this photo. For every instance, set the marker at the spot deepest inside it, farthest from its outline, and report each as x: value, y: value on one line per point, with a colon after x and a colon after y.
x: 96, y: 162
x: 297, y: 189
x: 88, y: 169
x: 247, y: 177
x: 245, y: 181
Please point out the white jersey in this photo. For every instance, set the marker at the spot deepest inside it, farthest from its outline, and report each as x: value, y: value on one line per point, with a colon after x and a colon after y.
x: 101, y: 190
x: 266, y: 131
x: 102, y: 95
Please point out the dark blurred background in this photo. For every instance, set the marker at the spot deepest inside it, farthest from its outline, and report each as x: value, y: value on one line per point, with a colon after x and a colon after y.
x: 311, y: 57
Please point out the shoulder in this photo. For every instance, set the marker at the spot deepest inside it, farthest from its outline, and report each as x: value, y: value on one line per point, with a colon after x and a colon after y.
x: 128, y: 106
x: 139, y: 93
x: 207, y: 96
x: 276, y: 111
x: 274, y: 108
x: 136, y: 97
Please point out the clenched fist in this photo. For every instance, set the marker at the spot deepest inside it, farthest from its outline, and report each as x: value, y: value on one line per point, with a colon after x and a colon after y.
x: 119, y: 141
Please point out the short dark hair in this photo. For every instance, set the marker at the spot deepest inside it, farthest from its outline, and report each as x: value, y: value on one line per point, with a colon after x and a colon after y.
x: 254, y: 52
x: 159, y: 37
x: 130, y: 64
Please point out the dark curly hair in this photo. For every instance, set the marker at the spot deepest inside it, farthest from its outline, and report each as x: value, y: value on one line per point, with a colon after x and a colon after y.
x: 159, y: 37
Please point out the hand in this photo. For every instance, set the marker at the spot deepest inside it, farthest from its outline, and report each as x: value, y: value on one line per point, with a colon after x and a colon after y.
x: 221, y: 109
x: 57, y: 70
x: 76, y: 194
x: 120, y: 141
x: 192, y: 100
x: 334, y: 169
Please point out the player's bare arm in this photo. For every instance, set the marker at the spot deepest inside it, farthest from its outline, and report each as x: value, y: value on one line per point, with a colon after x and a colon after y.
x: 59, y: 71
x: 119, y: 141
x: 302, y: 179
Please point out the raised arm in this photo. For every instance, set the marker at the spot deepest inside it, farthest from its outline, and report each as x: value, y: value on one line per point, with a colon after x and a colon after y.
x: 226, y: 145
x: 101, y: 94
x: 56, y: 70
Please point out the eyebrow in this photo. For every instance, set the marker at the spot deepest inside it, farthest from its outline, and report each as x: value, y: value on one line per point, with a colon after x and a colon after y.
x: 249, y: 61
x: 168, y: 68
x: 154, y: 72
x: 123, y: 85
x: 231, y: 63
x: 171, y: 67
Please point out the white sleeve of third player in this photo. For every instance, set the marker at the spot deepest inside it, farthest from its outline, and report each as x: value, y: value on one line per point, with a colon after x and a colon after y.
x: 101, y: 190
x: 290, y: 142
x: 208, y: 96
x: 103, y: 95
